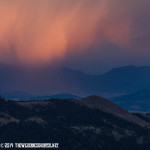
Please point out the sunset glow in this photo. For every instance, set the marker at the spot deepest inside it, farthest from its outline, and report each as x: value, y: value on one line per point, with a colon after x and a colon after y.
x: 41, y: 31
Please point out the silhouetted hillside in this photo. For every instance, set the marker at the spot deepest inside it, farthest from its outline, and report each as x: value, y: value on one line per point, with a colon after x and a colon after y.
x: 85, y: 124
x: 104, y: 105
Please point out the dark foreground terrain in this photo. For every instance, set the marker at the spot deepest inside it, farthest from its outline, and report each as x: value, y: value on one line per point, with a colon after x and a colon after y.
x: 92, y: 123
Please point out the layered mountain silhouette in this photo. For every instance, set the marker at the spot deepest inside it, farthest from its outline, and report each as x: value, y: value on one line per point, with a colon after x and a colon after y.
x: 138, y: 101
x: 89, y: 123
x: 52, y: 81
x: 19, y: 95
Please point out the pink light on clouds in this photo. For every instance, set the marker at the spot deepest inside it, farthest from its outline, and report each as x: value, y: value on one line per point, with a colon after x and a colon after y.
x: 34, y: 32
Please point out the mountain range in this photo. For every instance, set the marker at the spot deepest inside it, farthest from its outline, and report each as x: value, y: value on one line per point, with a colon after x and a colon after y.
x: 135, y: 102
x: 19, y: 95
x: 51, y: 81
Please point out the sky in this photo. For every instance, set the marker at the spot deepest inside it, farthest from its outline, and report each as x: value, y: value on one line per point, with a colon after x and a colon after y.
x: 89, y: 35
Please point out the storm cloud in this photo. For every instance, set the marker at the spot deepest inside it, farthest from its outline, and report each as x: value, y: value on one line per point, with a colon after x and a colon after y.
x: 34, y: 32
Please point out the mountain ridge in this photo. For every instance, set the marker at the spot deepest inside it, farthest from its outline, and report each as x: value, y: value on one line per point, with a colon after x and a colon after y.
x: 52, y: 81
x: 138, y: 101
x: 73, y: 126
x: 97, y: 102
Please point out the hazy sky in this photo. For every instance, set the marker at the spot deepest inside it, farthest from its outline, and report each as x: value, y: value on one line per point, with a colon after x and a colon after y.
x: 88, y: 35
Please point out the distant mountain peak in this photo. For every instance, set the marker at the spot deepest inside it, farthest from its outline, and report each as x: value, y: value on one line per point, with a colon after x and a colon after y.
x: 124, y: 68
x: 136, y: 102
